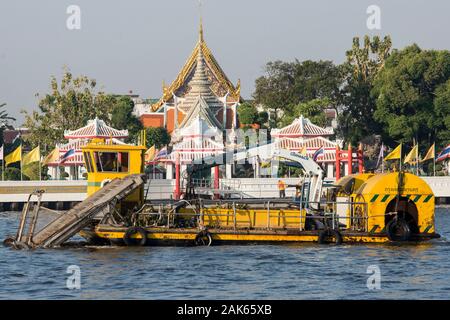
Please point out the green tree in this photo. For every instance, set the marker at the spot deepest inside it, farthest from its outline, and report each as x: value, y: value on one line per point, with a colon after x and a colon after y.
x: 412, y: 96
x: 355, y: 116
x: 157, y: 136
x: 247, y: 113
x: 441, y: 106
x: 122, y: 116
x: 314, y: 110
x: 4, y: 121
x: 286, y: 84
x: 12, y: 173
x: 69, y: 105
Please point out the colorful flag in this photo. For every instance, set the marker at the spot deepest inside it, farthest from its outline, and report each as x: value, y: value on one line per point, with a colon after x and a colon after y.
x: 14, y: 156
x: 51, y: 157
x: 150, y: 154
x: 69, y: 154
x: 444, y: 154
x: 319, y: 152
x: 161, y: 154
x: 430, y: 154
x: 395, y: 154
x: 411, y: 158
x: 32, y: 156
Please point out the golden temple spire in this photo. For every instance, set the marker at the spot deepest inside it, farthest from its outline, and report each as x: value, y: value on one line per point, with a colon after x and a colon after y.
x: 200, y: 32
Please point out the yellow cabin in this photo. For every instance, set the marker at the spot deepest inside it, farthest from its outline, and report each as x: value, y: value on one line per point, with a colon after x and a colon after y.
x: 106, y: 161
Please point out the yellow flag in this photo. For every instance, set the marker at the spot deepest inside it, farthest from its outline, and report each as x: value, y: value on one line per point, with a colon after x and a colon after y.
x: 32, y: 156
x: 14, y: 156
x: 303, y: 151
x: 412, y: 155
x: 430, y: 154
x: 150, y: 154
x: 51, y: 157
x: 395, y: 154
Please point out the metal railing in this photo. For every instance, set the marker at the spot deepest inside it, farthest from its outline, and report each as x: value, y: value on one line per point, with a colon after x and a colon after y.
x: 329, y: 218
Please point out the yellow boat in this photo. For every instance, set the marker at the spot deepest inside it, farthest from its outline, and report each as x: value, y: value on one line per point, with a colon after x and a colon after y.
x: 360, y: 208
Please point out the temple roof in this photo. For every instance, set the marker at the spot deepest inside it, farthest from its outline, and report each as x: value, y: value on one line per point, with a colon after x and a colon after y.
x: 301, y: 127
x: 311, y: 145
x: 95, y: 129
x: 200, y: 94
x: 186, y: 72
x: 200, y: 109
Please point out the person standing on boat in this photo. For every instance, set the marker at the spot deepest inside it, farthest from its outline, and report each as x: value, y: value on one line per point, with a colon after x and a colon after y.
x: 282, y: 188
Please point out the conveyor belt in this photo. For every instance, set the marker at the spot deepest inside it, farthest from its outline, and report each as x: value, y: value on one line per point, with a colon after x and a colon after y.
x: 71, y: 222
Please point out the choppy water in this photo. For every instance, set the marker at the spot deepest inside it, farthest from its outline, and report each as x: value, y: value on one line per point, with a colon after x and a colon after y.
x: 229, y: 272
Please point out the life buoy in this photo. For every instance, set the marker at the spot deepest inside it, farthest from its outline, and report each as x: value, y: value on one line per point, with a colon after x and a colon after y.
x: 398, y: 230
x: 203, y: 238
x: 129, y: 241
x: 105, y: 182
x: 329, y: 236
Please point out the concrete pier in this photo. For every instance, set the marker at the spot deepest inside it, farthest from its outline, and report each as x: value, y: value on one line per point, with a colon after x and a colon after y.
x: 59, y: 194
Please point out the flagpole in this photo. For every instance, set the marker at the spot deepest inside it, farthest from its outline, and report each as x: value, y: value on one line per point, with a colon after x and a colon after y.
x: 434, y: 159
x: 40, y: 164
x: 3, y: 162
x: 417, y: 157
x: 400, y: 166
x: 21, y: 176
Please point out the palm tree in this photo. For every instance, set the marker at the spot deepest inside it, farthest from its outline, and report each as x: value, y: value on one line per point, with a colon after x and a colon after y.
x: 4, y: 117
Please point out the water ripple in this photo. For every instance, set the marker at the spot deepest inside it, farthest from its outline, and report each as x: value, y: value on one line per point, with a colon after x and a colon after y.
x: 309, y: 271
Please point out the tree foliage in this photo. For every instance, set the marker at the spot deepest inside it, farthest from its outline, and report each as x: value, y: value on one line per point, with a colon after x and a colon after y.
x: 157, y: 136
x: 248, y: 115
x: 287, y: 84
x: 357, y: 105
x: 122, y: 116
x: 4, y: 121
x: 313, y: 110
x: 412, y: 96
x: 69, y: 105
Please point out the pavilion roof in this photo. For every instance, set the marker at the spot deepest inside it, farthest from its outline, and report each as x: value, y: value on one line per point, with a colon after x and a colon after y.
x: 311, y: 145
x: 95, y: 128
x: 301, y: 127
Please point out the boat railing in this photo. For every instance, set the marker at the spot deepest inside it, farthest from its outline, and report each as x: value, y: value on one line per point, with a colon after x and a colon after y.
x: 356, y: 217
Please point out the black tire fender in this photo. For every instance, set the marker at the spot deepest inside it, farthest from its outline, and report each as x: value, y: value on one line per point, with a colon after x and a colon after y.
x: 326, y: 234
x: 398, y: 230
x: 129, y: 241
x: 203, y: 238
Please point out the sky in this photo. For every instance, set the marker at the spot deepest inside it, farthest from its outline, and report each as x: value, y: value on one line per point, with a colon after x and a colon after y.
x: 137, y: 44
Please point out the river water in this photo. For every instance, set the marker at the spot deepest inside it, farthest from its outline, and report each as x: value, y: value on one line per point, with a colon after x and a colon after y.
x: 305, y: 271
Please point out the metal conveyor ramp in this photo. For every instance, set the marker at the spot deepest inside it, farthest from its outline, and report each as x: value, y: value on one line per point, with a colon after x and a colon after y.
x: 74, y: 220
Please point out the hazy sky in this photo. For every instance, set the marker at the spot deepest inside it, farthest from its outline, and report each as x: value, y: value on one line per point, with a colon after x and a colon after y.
x: 136, y: 44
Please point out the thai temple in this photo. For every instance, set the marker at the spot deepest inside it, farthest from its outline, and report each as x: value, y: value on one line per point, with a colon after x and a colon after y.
x: 201, y: 89
x: 196, y: 108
